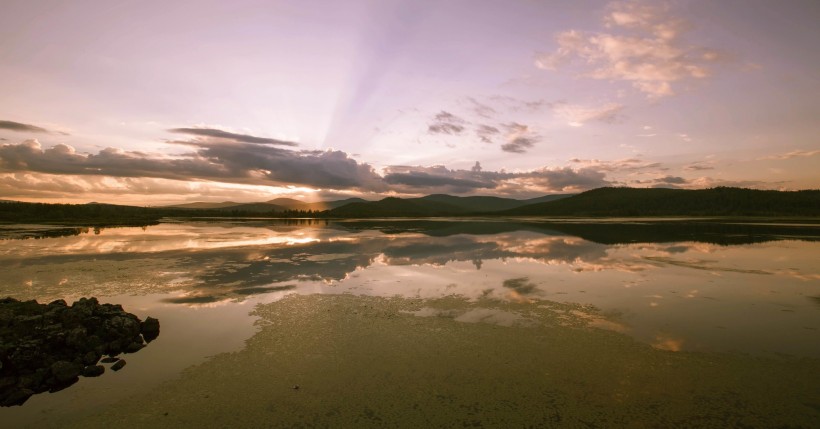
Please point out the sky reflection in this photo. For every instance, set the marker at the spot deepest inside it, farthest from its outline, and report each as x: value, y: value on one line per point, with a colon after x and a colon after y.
x: 693, y: 295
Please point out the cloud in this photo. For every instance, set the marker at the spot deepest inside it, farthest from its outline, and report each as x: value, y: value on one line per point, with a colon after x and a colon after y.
x: 519, y: 138
x: 792, y: 154
x: 669, y: 181
x: 481, y: 109
x: 642, y: 45
x: 220, y: 134
x: 518, y: 145
x: 218, y: 161
x: 577, y: 115
x: 711, y: 182
x: 621, y: 165
x: 696, y: 166
x: 446, y: 123
x: 516, y: 105
x: 486, y: 133
x: 445, y: 128
x: 439, y: 179
x: 23, y: 128
x: 225, y: 162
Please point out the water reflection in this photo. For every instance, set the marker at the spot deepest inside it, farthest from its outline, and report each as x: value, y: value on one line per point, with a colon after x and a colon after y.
x: 689, y: 287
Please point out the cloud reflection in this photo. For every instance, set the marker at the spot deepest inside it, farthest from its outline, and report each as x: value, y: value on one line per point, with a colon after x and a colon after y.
x: 211, y: 262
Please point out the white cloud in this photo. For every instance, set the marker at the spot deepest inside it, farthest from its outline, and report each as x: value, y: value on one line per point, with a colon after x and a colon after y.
x: 643, y: 46
x: 577, y: 115
x: 792, y: 154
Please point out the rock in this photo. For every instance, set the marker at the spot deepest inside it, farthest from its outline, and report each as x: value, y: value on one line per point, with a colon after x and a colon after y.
x: 93, y: 371
x: 16, y: 397
x: 7, y: 381
x: 134, y: 347
x: 65, y: 372
x: 76, y: 337
x: 118, y: 366
x: 109, y: 359
x: 150, y: 329
x: 91, y: 358
x: 45, y: 347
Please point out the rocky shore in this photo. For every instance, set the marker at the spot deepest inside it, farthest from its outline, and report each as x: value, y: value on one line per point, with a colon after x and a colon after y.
x: 47, y: 347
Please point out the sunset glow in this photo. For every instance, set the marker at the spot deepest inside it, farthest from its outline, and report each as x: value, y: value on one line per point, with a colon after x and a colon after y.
x: 152, y: 103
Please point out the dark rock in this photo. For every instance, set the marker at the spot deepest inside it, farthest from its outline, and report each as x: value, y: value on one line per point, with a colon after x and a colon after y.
x: 109, y: 359
x: 91, y: 358
x: 46, y: 347
x: 16, y: 397
x: 76, y: 337
x: 56, y: 387
x: 7, y: 381
x: 150, y: 329
x: 65, y: 372
x: 31, y: 381
x: 118, y: 366
x: 93, y: 371
x: 134, y: 347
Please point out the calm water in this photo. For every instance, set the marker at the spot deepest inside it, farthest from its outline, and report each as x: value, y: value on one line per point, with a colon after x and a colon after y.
x: 356, y: 311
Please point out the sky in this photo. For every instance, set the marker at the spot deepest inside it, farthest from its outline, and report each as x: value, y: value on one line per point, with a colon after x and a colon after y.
x: 158, y: 102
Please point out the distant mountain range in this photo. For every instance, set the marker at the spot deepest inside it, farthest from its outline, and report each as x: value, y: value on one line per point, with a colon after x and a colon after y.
x: 721, y: 201
x: 602, y: 202
x: 436, y: 205
x: 275, y: 205
x: 431, y: 205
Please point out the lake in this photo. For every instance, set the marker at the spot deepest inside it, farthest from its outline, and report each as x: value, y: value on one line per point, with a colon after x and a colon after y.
x: 439, y: 323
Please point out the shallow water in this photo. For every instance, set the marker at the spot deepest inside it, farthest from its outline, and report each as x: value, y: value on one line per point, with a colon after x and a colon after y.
x: 368, y: 304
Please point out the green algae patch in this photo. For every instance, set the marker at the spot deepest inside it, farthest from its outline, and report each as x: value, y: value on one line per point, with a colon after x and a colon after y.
x: 359, y: 361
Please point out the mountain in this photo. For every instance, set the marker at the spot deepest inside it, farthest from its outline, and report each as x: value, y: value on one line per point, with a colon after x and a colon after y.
x: 396, y: 207
x: 255, y: 208
x: 677, y: 202
x: 432, y: 205
x: 293, y: 204
x: 201, y: 205
x: 486, y: 204
x: 545, y: 198
x: 275, y: 205
x: 290, y: 203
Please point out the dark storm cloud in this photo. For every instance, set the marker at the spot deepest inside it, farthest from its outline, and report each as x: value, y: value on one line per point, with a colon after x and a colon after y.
x: 436, y: 177
x: 566, y: 179
x: 221, y: 161
x: 220, y: 134
x: 417, y: 179
x: 20, y: 127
